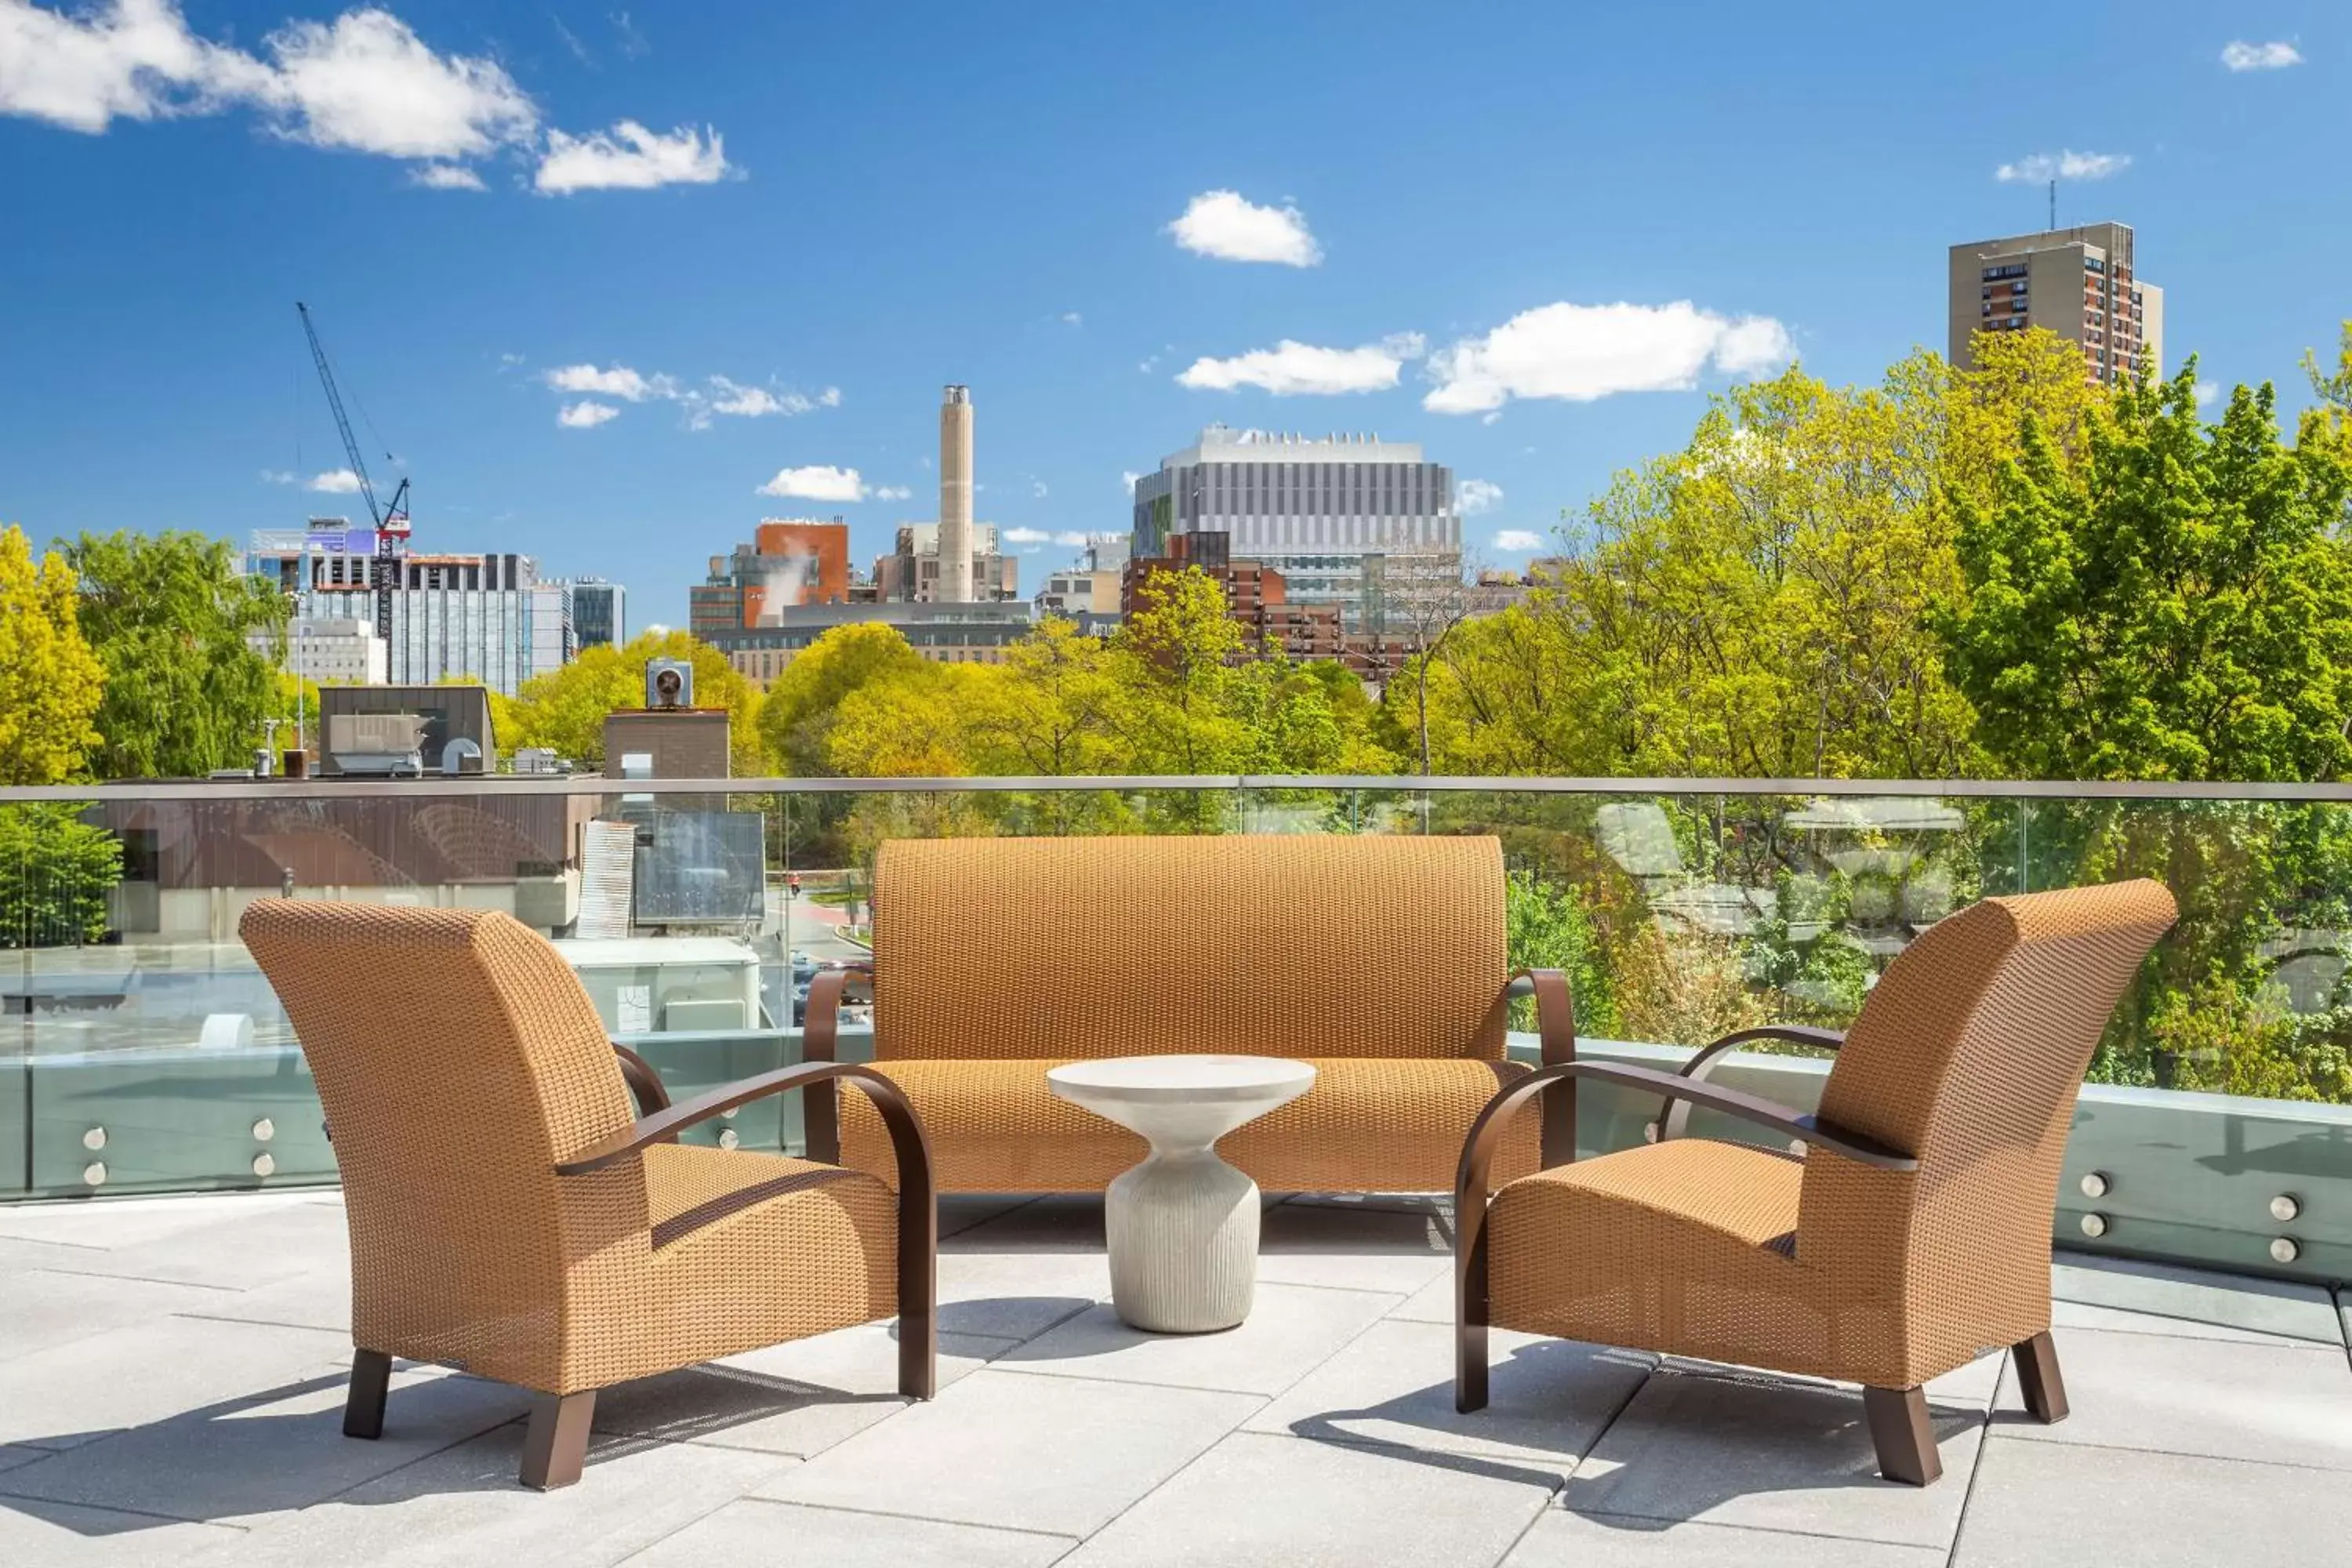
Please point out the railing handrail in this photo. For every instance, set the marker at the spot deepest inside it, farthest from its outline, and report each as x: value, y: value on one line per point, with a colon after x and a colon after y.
x: 436, y: 784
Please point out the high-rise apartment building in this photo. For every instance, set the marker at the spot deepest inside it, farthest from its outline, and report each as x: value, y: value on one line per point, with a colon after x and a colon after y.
x: 486, y: 617
x: 790, y: 560
x: 1328, y: 514
x: 2080, y: 283
x: 599, y: 613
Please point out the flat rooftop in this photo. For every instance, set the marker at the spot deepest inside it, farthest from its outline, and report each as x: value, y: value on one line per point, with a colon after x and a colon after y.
x: 172, y: 1381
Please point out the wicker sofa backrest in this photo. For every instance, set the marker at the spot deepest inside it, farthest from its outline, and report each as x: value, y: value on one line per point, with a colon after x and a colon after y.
x: 1308, y: 945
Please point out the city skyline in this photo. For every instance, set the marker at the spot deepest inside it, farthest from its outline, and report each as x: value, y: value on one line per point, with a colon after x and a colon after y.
x: 624, y: 381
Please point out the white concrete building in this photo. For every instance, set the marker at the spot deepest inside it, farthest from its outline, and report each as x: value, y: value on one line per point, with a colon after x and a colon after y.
x: 341, y: 651
x: 1328, y: 513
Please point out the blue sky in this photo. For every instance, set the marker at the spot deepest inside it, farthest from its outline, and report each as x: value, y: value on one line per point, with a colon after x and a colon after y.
x: 838, y: 208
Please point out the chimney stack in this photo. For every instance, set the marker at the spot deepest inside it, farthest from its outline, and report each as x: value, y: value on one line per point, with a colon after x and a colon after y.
x: 955, y: 496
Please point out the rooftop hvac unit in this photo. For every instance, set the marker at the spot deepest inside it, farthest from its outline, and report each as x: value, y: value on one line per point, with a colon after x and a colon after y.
x: 669, y: 683
x: 377, y: 742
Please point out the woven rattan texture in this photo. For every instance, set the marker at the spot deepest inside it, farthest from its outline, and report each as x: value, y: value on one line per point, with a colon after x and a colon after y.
x: 1366, y: 1126
x: 1309, y: 945
x: 1968, y: 1053
x: 458, y: 1060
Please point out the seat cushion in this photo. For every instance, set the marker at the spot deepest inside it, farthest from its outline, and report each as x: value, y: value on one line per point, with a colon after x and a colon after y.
x: 751, y: 1250
x: 1366, y: 1126
x: 1687, y: 1247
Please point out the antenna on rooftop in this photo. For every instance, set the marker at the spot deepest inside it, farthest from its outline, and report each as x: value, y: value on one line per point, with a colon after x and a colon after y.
x: 2054, y: 204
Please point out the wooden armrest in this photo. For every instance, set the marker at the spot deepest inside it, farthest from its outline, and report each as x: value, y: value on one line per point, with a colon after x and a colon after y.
x: 820, y: 1032
x: 1677, y: 1121
x: 1485, y: 1134
x: 899, y: 1116
x: 1556, y: 1035
x: 645, y: 1084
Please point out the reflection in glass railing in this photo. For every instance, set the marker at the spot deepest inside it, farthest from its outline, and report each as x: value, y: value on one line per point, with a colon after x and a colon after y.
x: 149, y: 1053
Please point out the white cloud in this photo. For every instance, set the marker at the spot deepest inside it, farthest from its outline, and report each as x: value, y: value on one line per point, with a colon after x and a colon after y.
x: 655, y: 630
x: 1037, y: 488
x: 131, y: 59
x: 631, y: 158
x: 1580, y: 352
x: 277, y: 477
x: 2277, y: 54
x: 1223, y: 224
x: 1517, y: 539
x: 364, y: 82
x: 446, y: 177
x: 367, y: 83
x: 1027, y: 536
x: 1073, y: 319
x: 585, y: 414
x: 816, y: 482
x: 1473, y: 496
x: 752, y: 401
x: 1128, y: 478
x: 2043, y: 167
x: 618, y: 381
x: 1290, y: 368
x: 893, y: 492
x: 2206, y: 391
x: 334, y: 482
x: 1072, y: 539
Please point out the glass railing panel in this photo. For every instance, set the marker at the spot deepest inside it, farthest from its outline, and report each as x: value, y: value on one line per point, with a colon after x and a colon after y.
x: 156, y: 1058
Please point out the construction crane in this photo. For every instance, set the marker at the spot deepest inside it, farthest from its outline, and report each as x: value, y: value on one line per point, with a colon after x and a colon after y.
x: 391, y: 522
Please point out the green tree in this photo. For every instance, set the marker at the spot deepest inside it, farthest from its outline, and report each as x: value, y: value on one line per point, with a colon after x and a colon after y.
x: 1750, y: 606
x: 171, y: 618
x: 50, y: 683
x: 2179, y: 608
x: 55, y: 871
x: 565, y: 708
x: 2333, y: 387
x: 797, y: 715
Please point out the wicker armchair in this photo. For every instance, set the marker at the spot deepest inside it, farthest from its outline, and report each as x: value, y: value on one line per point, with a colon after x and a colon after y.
x: 512, y: 1216
x: 1382, y: 960
x: 1911, y: 1231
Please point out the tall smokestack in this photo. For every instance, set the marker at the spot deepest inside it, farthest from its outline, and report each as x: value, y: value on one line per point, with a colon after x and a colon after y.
x: 955, y: 496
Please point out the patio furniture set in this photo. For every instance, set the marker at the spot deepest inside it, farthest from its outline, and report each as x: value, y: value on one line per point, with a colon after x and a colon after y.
x: 1179, y: 1023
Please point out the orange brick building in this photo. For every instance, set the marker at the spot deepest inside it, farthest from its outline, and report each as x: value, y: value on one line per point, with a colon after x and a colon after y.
x: 788, y: 561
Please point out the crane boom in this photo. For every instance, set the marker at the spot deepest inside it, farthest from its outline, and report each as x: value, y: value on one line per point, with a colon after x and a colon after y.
x: 391, y: 522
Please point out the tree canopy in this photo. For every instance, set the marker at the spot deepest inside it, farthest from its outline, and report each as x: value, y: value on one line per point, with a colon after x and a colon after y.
x: 2179, y: 606
x: 50, y: 682
x: 169, y: 617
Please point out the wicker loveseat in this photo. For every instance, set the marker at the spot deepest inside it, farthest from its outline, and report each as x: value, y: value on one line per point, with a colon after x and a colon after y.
x: 1381, y: 960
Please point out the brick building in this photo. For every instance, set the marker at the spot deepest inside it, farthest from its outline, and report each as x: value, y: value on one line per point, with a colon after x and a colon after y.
x: 788, y: 561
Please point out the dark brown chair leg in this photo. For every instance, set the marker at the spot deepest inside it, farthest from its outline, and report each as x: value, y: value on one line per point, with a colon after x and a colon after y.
x: 1470, y: 1315
x: 2037, y: 1374
x: 555, y: 1444
x: 1901, y: 1432
x: 919, y: 1283
x: 364, y: 1406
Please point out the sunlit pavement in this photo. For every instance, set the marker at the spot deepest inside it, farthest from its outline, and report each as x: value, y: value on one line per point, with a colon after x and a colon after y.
x: 171, y: 1387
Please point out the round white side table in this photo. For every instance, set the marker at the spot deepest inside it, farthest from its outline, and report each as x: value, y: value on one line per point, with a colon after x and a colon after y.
x: 1183, y: 1227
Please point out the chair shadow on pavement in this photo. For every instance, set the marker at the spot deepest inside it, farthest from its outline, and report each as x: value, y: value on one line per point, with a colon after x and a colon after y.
x: 1746, y: 1434
x: 229, y: 1460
